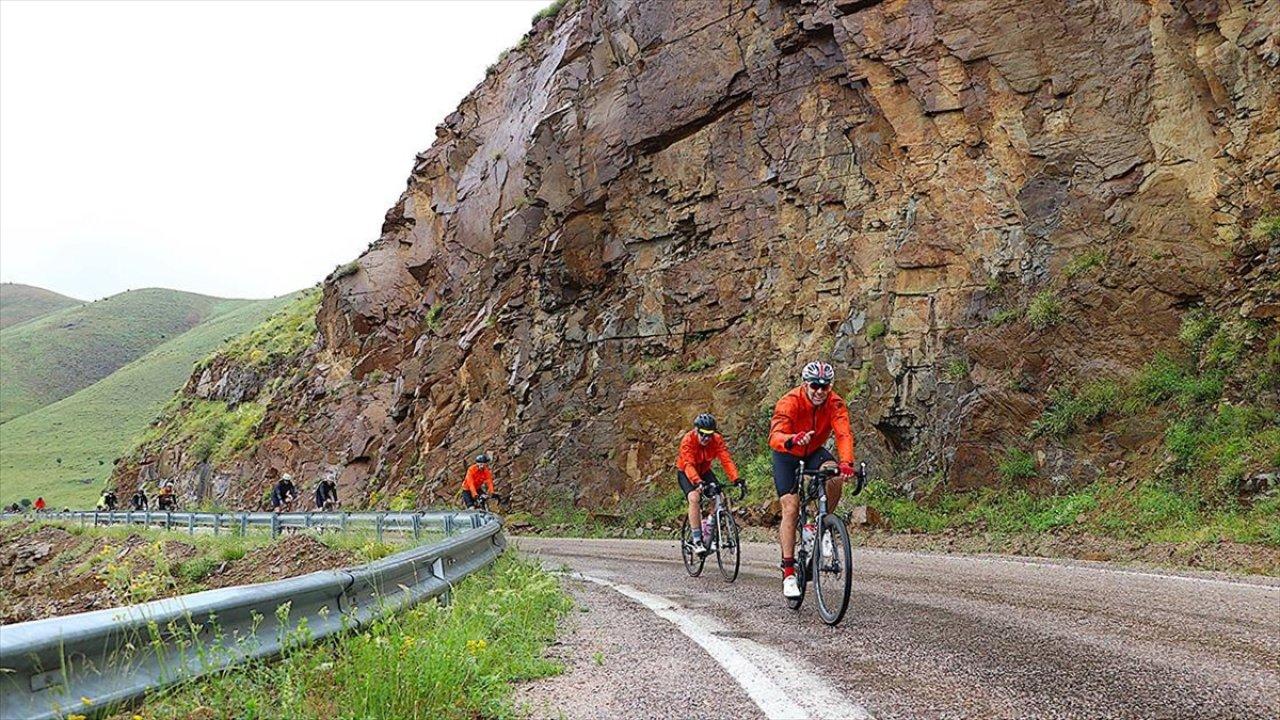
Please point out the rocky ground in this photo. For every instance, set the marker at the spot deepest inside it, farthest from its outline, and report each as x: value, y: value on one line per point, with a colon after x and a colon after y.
x: 46, y: 571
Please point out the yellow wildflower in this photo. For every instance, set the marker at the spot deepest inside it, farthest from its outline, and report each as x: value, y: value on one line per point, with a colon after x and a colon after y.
x: 477, y: 646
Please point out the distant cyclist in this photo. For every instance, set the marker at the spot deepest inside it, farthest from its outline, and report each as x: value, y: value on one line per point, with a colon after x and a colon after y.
x: 283, y: 493
x: 40, y: 505
x: 166, y: 500
x: 802, y: 422
x: 698, y: 448
x: 139, y: 500
x: 326, y: 494
x: 107, y: 503
x: 478, y: 483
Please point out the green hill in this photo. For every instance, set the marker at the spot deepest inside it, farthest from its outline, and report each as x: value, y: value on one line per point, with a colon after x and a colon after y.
x: 64, y: 451
x: 20, y: 303
x: 52, y: 357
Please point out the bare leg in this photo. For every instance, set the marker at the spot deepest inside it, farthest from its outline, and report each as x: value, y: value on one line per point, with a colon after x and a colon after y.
x: 787, y: 532
x: 695, y: 514
x: 835, y: 488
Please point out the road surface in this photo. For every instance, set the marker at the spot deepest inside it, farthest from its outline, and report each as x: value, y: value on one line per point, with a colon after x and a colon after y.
x: 927, y: 636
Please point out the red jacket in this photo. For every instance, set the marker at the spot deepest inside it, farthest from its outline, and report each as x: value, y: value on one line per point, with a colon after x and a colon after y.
x: 795, y: 414
x: 695, y: 458
x: 476, y: 478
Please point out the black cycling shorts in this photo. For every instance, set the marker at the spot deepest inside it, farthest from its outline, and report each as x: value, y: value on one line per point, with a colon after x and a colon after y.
x: 689, y: 487
x: 468, y: 500
x: 785, y: 464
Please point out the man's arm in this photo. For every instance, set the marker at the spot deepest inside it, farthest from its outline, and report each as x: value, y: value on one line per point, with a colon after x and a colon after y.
x: 722, y: 452
x: 780, y: 428
x: 843, y: 433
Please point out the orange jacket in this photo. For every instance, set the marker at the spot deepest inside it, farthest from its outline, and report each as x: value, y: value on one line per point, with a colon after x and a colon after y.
x: 695, y: 458
x: 476, y: 478
x: 795, y: 414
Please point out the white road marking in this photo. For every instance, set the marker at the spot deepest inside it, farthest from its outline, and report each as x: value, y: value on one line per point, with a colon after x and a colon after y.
x: 784, y: 688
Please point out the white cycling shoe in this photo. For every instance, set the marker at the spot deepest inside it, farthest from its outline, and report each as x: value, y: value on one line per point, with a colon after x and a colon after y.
x: 790, y: 588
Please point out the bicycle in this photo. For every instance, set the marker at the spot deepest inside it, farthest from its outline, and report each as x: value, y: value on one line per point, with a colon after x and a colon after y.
x: 832, y: 576
x: 720, y: 533
x: 482, y: 502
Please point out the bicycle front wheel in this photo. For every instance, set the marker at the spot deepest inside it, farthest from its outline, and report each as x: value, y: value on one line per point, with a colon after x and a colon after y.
x: 728, y: 554
x: 832, y: 569
x: 692, y: 561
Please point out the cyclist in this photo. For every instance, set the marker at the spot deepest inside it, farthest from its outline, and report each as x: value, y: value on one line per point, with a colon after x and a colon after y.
x: 284, y: 492
x: 326, y: 494
x: 698, y: 448
x: 478, y: 476
x: 166, y: 499
x: 139, y: 499
x: 108, y: 500
x: 40, y: 504
x: 803, y: 420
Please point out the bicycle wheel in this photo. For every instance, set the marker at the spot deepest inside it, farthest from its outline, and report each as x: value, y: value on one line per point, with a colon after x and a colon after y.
x: 832, y: 570
x: 728, y: 555
x: 692, y: 561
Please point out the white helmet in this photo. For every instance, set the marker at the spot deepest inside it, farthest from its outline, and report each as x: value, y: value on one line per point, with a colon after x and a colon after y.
x: 818, y: 373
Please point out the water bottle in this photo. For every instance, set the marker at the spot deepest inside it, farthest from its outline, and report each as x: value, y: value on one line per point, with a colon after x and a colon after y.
x: 706, y: 529
x: 809, y: 531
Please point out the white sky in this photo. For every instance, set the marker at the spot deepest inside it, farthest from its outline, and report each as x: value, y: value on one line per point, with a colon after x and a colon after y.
x: 240, y: 149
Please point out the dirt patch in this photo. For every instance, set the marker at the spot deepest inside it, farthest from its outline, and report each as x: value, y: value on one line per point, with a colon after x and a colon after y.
x: 292, y: 556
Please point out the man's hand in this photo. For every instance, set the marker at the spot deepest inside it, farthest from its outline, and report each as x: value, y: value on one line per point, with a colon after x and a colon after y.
x: 802, y: 439
x: 846, y: 470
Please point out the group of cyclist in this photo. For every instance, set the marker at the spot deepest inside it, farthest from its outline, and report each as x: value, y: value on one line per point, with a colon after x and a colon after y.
x: 803, y: 420
x: 285, y: 494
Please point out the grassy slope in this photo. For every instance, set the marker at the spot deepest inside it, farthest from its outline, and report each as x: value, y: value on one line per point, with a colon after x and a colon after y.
x: 20, y: 303
x: 51, y: 358
x: 96, y: 425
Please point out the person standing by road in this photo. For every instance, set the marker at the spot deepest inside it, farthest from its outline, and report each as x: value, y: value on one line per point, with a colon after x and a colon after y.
x: 698, y: 448
x: 803, y: 420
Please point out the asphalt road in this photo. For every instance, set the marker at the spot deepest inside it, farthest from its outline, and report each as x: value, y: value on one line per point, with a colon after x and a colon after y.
x: 927, y: 636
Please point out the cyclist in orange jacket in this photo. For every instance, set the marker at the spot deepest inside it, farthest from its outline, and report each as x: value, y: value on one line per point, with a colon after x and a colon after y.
x: 803, y: 420
x: 698, y: 448
x: 479, y: 477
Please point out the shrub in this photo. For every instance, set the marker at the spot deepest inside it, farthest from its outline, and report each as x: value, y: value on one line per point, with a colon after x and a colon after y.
x: 549, y: 11
x: 1017, y: 464
x: 1266, y: 229
x: 1044, y: 310
x: 956, y: 369
x: 876, y: 330
x: 1198, y: 326
x: 1069, y: 410
x: 346, y: 270
x: 1084, y: 261
x: 700, y: 364
x: 1005, y: 315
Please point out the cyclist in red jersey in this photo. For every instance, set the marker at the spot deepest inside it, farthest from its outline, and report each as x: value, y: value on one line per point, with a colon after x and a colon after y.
x: 802, y: 422
x: 698, y: 448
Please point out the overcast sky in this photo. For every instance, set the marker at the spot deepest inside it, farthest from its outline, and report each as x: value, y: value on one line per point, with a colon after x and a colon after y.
x: 240, y: 149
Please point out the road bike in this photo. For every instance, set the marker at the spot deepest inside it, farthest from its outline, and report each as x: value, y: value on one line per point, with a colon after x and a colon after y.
x: 482, y: 502
x: 720, y: 534
x: 824, y: 554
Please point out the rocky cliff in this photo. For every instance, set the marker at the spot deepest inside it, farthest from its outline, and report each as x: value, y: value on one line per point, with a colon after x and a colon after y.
x: 652, y: 209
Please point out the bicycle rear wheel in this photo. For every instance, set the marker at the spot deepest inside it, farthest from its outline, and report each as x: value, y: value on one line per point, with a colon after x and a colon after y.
x: 832, y: 570
x: 692, y: 561
x: 728, y: 555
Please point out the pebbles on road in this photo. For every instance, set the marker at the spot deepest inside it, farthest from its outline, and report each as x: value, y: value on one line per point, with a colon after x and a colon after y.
x: 932, y: 636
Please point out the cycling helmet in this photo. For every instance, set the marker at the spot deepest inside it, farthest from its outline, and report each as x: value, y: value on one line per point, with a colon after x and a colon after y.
x: 482, y: 458
x: 818, y: 373
x: 705, y: 423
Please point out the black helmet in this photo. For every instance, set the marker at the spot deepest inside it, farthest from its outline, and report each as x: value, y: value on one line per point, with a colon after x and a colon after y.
x: 482, y: 458
x: 705, y: 423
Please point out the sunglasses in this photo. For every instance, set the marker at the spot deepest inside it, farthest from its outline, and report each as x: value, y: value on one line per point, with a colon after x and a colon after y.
x: 702, y: 431
x: 825, y: 387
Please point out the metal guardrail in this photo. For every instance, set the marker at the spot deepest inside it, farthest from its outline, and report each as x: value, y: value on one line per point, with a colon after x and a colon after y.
x: 414, y: 522
x: 97, y: 661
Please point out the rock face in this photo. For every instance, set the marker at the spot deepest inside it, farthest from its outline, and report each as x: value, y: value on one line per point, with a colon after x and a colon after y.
x: 652, y: 209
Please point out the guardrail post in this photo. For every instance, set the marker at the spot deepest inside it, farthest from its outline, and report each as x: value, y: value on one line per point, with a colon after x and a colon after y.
x: 448, y: 524
x: 217, y: 520
x: 191, y: 523
x: 343, y: 522
x: 381, y: 518
x: 275, y: 525
x: 244, y: 524
x: 307, y: 522
x: 417, y: 527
